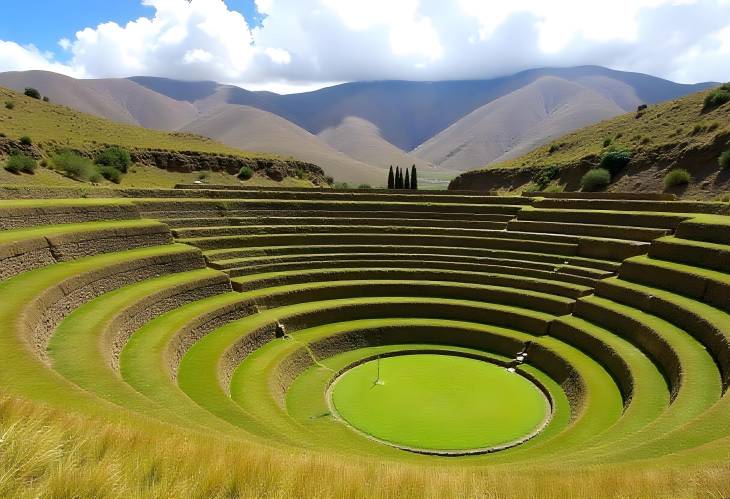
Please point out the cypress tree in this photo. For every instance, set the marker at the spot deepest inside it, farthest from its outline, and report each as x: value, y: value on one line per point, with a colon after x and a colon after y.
x: 397, y: 178
x: 391, y: 178
x: 407, y: 183
x: 414, y: 178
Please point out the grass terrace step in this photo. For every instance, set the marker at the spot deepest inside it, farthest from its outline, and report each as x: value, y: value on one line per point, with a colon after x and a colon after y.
x: 560, y: 274
x: 266, y: 220
x: 499, y: 243
x: 694, y: 253
x: 645, y: 196
x: 707, y: 228
x: 229, y: 257
x: 233, y: 187
x: 151, y: 206
x: 258, y: 281
x: 27, y: 249
x: 225, y: 231
x: 616, y: 218
x: 709, y: 325
x: 445, y: 259
x: 592, y: 230
x: 710, y: 286
x: 638, y: 205
x: 34, y: 212
x: 336, y: 196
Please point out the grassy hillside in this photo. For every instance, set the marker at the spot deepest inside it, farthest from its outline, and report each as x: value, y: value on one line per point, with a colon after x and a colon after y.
x: 52, y: 126
x: 678, y: 124
x: 677, y: 134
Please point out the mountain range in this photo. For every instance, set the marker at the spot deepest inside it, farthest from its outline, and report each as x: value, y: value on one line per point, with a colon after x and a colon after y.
x: 356, y: 130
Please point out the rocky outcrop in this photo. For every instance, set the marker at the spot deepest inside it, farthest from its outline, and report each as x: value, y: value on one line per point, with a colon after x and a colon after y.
x: 190, y: 161
x: 10, y: 146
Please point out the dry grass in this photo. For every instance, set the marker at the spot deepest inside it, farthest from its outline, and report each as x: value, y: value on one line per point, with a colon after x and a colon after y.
x: 53, y: 126
x: 676, y: 123
x: 45, y: 452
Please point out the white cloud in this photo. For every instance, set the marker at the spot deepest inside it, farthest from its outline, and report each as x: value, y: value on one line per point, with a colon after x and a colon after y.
x: 305, y: 43
x: 15, y: 57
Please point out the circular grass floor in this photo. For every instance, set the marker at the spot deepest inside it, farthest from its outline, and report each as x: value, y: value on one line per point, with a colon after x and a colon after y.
x: 440, y: 403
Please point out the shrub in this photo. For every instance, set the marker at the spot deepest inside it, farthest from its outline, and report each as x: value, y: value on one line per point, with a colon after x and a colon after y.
x: 9, y: 105
x: 203, y: 176
x: 364, y: 186
x: 724, y: 159
x: 32, y: 92
x: 676, y: 177
x: 330, y: 180
x: 114, y: 156
x: 341, y: 185
x: 25, y: 140
x: 717, y: 97
x: 110, y: 173
x: 75, y: 166
x: 553, y: 148
x: 301, y: 174
x: 46, y: 99
x: 615, y: 161
x: 21, y: 163
x: 606, y: 142
x: 545, y: 175
x: 245, y: 173
x: 595, y: 179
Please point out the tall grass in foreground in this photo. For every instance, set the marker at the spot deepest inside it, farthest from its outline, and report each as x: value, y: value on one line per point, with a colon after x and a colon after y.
x: 48, y: 453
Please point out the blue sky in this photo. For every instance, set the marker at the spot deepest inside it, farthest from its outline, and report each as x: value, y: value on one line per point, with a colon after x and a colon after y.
x: 53, y: 20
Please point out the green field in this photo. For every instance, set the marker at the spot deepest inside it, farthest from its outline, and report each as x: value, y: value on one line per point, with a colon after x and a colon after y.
x: 439, y: 402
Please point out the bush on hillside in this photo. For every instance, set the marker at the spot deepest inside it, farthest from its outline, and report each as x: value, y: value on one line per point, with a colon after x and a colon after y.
x: 245, y: 173
x: 111, y: 174
x: 717, y: 97
x: 615, y: 161
x: 724, y: 160
x: 46, y: 99
x: 545, y: 175
x: 341, y: 185
x: 364, y: 186
x: 76, y: 166
x: 25, y: 140
x: 18, y: 163
x: 677, y: 177
x: 606, y: 142
x: 9, y: 105
x: 32, y: 92
x: 116, y: 157
x: 595, y: 179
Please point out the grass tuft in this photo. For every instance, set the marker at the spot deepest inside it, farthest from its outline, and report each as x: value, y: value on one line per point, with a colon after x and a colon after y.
x: 595, y: 179
x: 677, y: 177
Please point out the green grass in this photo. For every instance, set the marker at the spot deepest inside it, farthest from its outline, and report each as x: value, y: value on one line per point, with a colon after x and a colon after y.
x: 421, y: 401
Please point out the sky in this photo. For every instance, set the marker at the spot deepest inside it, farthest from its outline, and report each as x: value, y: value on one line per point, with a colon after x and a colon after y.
x: 298, y: 45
